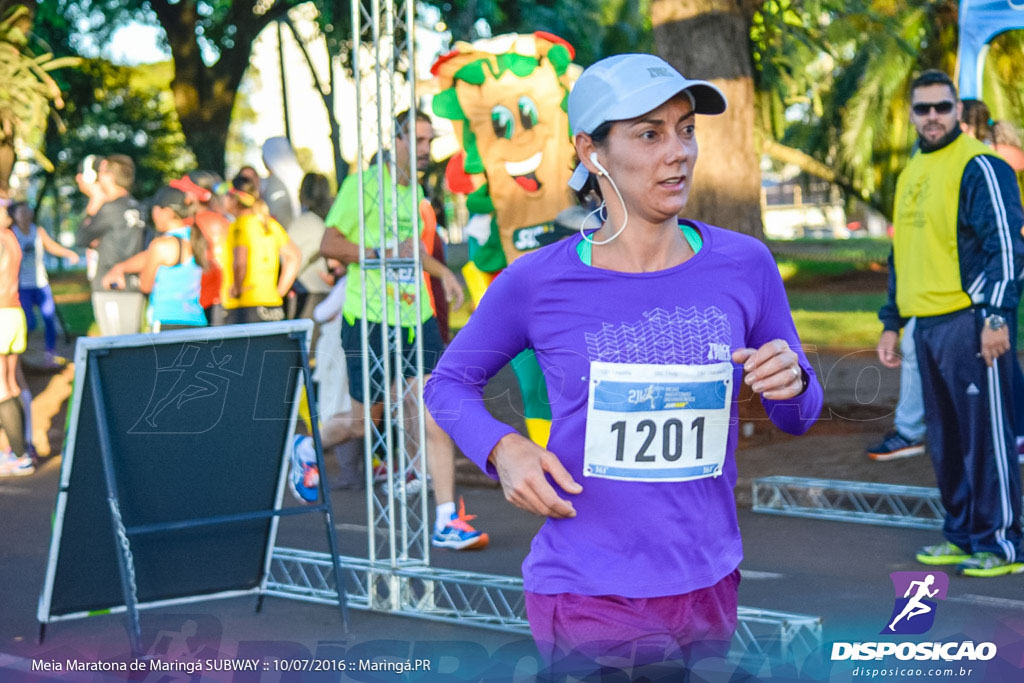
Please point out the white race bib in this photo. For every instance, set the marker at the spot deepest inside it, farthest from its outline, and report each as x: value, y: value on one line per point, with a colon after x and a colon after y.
x: 655, y: 423
x: 403, y: 275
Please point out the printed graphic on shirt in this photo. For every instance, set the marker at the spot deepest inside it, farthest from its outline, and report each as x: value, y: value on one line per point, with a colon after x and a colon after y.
x: 133, y: 219
x: 914, y: 201
x: 686, y: 336
x: 537, y: 236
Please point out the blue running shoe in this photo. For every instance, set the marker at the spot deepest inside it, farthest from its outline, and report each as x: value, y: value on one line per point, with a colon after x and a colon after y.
x: 457, y: 534
x: 894, y: 446
x: 305, y: 476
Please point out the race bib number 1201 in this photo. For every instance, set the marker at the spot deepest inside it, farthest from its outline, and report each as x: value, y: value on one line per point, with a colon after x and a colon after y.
x: 657, y: 423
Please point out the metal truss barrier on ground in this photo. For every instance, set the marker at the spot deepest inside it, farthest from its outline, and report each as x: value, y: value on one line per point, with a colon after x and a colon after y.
x: 916, y: 507
x: 490, y: 600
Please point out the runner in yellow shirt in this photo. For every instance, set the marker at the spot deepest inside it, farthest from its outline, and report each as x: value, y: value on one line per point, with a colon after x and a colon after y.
x: 261, y: 261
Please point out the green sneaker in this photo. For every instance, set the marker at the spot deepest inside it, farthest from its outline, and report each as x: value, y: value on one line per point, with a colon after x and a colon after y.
x: 944, y: 553
x: 988, y: 564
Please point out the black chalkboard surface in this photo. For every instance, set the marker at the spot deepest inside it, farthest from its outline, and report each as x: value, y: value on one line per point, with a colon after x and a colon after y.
x: 198, y: 424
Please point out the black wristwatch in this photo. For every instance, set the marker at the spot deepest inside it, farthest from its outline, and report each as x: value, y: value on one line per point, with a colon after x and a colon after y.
x: 995, y: 322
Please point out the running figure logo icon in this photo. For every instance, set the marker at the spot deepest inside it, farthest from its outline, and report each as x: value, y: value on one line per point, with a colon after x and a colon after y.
x: 914, y: 608
x: 190, y: 386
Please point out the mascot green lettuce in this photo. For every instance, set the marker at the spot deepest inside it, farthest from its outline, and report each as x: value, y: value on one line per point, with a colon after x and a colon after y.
x: 507, y: 99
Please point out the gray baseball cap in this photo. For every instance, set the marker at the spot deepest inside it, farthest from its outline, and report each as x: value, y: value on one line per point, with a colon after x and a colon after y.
x: 625, y: 86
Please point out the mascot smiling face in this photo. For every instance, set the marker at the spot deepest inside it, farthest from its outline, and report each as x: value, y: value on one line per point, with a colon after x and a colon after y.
x: 508, y: 108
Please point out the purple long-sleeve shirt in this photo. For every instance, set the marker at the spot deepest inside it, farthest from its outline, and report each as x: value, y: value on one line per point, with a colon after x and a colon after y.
x: 629, y: 538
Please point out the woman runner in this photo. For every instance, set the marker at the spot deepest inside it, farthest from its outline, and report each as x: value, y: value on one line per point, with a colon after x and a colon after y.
x: 171, y: 268
x: 261, y: 261
x: 33, y: 282
x: 645, y: 329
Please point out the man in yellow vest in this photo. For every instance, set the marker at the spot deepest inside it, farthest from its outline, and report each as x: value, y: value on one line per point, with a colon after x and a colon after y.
x: 957, y: 250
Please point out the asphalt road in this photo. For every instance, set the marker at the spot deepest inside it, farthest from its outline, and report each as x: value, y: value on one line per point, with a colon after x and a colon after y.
x: 837, y: 571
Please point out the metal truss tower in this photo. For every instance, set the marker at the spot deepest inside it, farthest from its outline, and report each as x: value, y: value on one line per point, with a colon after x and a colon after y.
x: 396, y: 576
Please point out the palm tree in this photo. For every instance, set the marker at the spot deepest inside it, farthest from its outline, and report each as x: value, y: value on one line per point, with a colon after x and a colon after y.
x: 855, y: 129
x: 28, y: 92
x: 1003, y: 89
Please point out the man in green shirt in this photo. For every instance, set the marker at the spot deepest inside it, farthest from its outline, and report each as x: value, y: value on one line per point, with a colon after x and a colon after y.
x: 382, y: 199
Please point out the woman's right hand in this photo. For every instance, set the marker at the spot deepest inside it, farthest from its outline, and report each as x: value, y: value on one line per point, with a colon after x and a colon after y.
x: 114, y: 279
x: 521, y: 466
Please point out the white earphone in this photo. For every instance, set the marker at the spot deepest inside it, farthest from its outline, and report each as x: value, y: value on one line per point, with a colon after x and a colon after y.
x: 602, y: 171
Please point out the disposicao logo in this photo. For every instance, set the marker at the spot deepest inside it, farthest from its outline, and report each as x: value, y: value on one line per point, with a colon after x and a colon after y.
x: 913, y: 613
x: 914, y: 609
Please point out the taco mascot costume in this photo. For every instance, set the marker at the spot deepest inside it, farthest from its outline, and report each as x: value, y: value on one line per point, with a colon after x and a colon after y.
x: 508, y: 97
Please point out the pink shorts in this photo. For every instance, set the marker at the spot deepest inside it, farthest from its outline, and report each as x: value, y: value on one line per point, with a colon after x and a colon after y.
x: 635, y: 631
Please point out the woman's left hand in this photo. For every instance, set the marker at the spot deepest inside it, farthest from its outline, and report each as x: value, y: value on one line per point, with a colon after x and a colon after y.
x: 773, y: 370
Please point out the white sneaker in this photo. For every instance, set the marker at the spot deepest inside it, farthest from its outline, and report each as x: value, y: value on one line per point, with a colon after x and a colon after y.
x: 17, y: 466
x: 413, y: 484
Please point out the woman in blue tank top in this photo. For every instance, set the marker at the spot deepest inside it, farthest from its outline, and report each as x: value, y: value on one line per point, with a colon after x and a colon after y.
x: 171, y: 268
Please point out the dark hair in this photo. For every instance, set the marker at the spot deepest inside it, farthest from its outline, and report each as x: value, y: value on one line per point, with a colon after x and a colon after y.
x: 259, y: 207
x: 932, y: 77
x: 174, y: 199
x: 245, y: 184
x: 315, y: 194
x: 591, y: 186
x: 122, y: 168
x: 177, y: 201
x: 976, y: 115
x: 402, y: 121
x: 208, y: 180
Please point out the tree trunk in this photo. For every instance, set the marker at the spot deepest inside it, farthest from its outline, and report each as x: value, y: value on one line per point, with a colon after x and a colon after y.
x: 204, y: 96
x: 329, y: 96
x: 710, y: 40
x: 6, y: 165
x: 340, y: 165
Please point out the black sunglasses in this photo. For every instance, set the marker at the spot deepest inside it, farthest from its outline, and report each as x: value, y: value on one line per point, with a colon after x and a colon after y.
x: 943, y: 107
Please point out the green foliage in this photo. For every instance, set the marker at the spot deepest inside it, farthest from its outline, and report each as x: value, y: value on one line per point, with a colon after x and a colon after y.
x: 835, y: 302
x: 832, y: 80
x: 839, y: 302
x: 116, y: 109
x: 1003, y: 88
x: 110, y: 109
x: 852, y: 253
x: 595, y: 28
x: 837, y: 329
x: 218, y: 23
x: 28, y: 89
x: 79, y: 318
